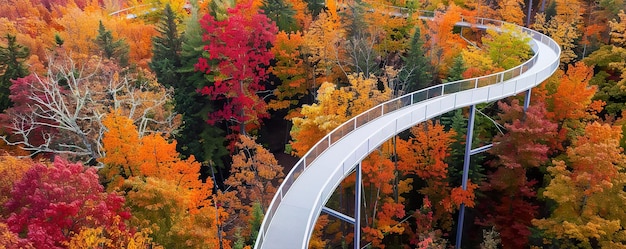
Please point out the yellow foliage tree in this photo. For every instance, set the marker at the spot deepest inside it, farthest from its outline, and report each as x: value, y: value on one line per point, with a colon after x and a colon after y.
x: 11, y: 170
x: 111, y: 237
x: 618, y: 30
x: 335, y: 106
x: 511, y: 11
x: 174, y: 215
x: 565, y: 28
x: 320, y: 45
x: 588, y: 190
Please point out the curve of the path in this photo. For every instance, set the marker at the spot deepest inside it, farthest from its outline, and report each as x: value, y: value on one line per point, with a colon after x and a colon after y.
x: 292, y: 214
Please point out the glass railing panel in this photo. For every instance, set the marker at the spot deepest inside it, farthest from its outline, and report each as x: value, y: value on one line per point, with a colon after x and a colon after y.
x: 361, y: 120
x: 374, y: 113
x: 419, y: 96
x: 489, y: 80
x: 435, y: 91
x: 311, y: 156
x: 452, y: 88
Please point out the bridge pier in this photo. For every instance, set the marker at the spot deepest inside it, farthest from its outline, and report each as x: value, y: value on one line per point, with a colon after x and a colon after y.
x: 466, y: 163
x: 527, y: 100
x: 357, y: 206
x: 356, y: 221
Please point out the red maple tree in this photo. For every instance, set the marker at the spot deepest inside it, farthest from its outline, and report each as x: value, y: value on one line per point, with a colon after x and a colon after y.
x: 235, y: 61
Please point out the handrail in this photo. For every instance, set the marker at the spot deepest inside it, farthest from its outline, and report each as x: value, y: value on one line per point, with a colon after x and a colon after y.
x: 131, y: 15
x: 405, y: 101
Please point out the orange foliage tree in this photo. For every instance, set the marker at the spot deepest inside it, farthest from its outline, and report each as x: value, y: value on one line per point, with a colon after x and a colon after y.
x: 320, y: 45
x: 568, y: 99
x: 290, y: 69
x: 442, y: 44
x: 511, y: 11
x: 424, y: 155
x: 383, y: 212
x: 152, y: 170
x: 254, y: 177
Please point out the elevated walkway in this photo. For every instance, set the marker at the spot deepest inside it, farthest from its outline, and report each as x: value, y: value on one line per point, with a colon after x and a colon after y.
x: 291, y: 216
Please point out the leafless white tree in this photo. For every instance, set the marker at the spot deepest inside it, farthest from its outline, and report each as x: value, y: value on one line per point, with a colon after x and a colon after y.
x: 61, y: 112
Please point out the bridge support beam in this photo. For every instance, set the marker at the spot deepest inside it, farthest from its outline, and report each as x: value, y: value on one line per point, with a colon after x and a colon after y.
x: 357, y: 207
x: 527, y: 99
x: 338, y: 215
x: 466, y: 163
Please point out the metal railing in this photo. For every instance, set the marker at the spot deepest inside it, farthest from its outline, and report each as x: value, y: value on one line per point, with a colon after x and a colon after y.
x: 404, y: 101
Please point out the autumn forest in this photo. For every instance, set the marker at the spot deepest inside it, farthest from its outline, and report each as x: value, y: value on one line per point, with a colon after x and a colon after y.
x: 171, y: 123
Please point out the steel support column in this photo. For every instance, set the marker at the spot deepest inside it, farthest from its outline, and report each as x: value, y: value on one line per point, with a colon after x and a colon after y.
x: 357, y: 207
x: 466, y: 163
x: 527, y: 100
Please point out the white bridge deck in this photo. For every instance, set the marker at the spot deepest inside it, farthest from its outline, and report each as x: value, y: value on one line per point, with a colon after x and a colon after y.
x: 290, y: 219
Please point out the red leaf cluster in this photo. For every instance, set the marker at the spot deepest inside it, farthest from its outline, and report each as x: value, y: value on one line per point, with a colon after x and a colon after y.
x: 235, y: 61
x: 52, y: 203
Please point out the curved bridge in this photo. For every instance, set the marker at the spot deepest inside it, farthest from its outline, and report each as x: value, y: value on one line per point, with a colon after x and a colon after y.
x: 291, y: 216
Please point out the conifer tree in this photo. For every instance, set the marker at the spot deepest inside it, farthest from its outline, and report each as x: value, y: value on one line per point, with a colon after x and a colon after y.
x: 11, y: 67
x: 196, y: 137
x: 281, y: 13
x: 166, y: 49
x: 415, y: 74
x: 110, y: 47
x: 457, y: 69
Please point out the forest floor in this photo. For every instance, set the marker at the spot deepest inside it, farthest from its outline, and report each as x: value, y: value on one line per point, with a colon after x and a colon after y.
x: 274, y: 136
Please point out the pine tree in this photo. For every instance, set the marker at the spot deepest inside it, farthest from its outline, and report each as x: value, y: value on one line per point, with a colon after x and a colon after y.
x: 457, y: 69
x: 11, y: 67
x: 196, y: 137
x: 315, y: 6
x: 415, y: 74
x: 281, y: 13
x: 166, y: 49
x: 255, y: 222
x: 110, y: 47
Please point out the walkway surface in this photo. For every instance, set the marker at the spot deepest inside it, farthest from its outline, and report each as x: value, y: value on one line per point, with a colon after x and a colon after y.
x: 297, y: 205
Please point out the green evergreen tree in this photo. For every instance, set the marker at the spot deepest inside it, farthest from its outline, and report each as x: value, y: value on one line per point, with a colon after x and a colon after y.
x: 195, y: 136
x: 456, y: 70
x: 219, y: 8
x: 58, y: 40
x: 360, y: 42
x: 110, y: 47
x: 166, y: 49
x: 456, y: 121
x: 551, y: 10
x: 255, y: 222
x: 315, y: 6
x: 415, y: 74
x: 11, y: 67
x: 281, y: 13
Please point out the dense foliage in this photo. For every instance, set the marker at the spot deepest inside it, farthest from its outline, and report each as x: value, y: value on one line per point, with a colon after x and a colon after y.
x: 186, y: 115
